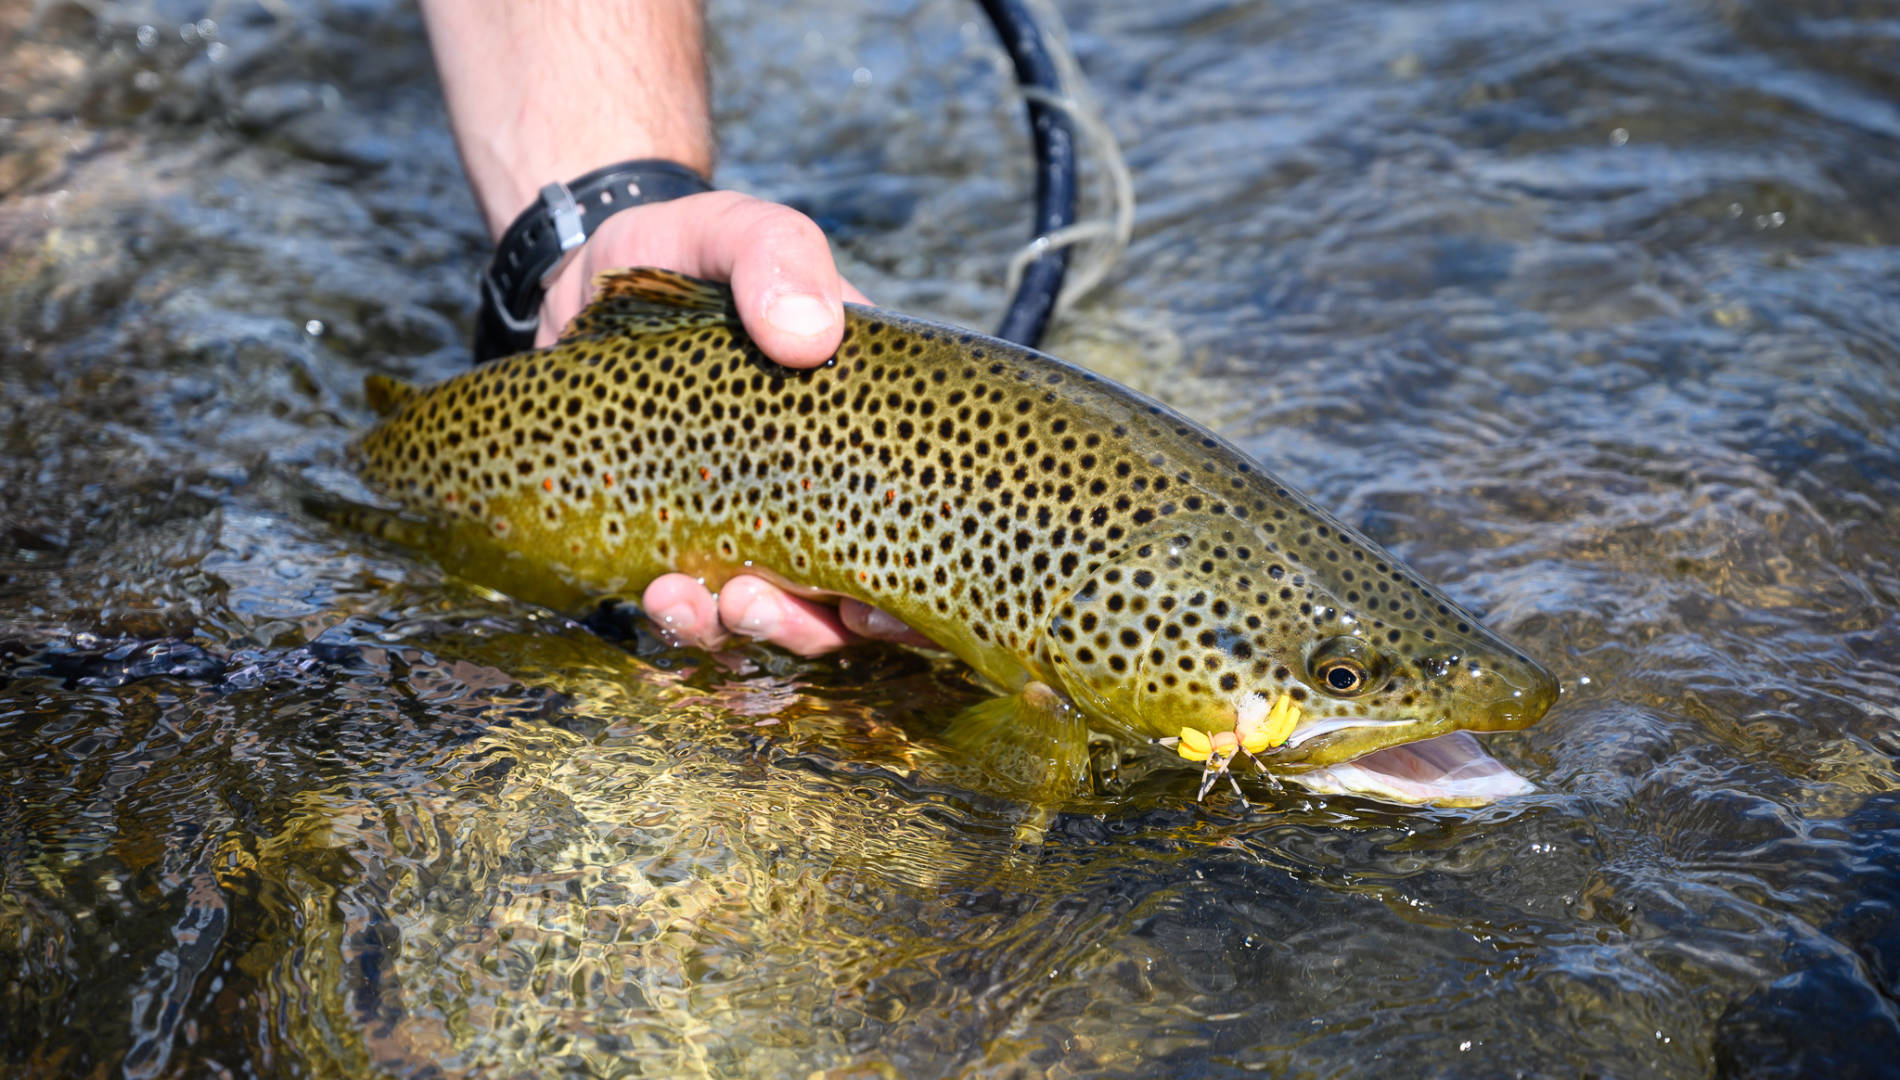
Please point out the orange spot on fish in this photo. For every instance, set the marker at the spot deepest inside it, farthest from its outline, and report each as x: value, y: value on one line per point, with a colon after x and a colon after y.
x: 705, y: 473
x: 807, y: 483
x: 759, y: 524
x: 607, y: 478
x: 862, y: 576
x: 577, y: 547
x: 890, y: 496
x: 450, y: 497
x: 946, y: 508
x: 501, y: 526
x: 548, y: 484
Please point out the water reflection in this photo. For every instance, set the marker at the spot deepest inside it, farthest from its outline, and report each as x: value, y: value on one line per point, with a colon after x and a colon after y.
x: 1586, y: 309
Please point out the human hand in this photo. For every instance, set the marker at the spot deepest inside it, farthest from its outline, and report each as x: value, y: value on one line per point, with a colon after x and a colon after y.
x: 790, y: 299
x: 789, y: 294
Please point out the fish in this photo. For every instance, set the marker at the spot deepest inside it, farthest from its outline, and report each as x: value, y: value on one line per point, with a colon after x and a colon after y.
x: 1105, y: 563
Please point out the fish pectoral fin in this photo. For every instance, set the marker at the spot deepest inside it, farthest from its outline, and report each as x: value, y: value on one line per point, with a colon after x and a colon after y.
x: 387, y: 394
x: 1034, y: 741
x: 644, y: 300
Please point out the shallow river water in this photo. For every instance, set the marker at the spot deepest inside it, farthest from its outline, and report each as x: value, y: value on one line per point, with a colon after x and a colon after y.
x: 1590, y: 310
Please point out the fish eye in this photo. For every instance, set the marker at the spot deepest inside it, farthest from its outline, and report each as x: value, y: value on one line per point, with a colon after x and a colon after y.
x: 1343, y: 666
x: 1344, y: 675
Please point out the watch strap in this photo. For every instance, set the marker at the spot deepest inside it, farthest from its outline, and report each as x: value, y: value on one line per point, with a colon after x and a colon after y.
x: 539, y: 243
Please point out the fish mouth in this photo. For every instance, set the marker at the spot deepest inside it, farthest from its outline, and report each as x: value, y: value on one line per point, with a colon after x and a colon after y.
x: 1414, y: 760
x: 1449, y: 770
x: 1443, y: 771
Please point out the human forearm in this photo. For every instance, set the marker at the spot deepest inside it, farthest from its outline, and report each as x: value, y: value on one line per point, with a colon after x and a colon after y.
x: 543, y: 90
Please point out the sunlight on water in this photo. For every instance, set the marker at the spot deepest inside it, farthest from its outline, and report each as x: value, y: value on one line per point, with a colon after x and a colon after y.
x: 1589, y: 311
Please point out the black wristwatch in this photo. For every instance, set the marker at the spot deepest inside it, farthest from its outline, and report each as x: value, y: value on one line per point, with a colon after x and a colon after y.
x: 547, y: 233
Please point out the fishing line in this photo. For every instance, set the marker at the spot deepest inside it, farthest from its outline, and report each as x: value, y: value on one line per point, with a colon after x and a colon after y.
x: 1056, y: 96
x: 1115, y: 231
x: 1056, y: 187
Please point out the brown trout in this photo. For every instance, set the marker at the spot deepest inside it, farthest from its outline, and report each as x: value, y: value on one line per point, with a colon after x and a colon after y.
x: 1106, y: 562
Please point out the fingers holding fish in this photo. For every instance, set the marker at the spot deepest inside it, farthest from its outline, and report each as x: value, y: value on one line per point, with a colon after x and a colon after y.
x: 866, y: 621
x: 784, y: 282
x: 787, y: 288
x: 690, y: 614
x: 762, y: 611
x: 685, y: 611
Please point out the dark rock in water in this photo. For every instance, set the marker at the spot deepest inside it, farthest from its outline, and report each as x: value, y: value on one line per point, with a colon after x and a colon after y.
x: 619, y: 622
x: 1836, y: 1014
x: 127, y: 662
x: 29, y: 541
x: 118, y: 663
x: 1825, y: 1021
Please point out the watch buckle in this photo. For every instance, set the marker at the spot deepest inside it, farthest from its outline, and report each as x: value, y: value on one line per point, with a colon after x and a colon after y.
x: 569, y: 231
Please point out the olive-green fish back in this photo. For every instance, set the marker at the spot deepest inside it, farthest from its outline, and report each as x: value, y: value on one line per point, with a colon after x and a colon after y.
x: 1041, y: 522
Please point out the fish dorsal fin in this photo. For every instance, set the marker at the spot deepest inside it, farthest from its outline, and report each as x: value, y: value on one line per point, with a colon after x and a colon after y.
x: 644, y: 299
x: 387, y: 394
